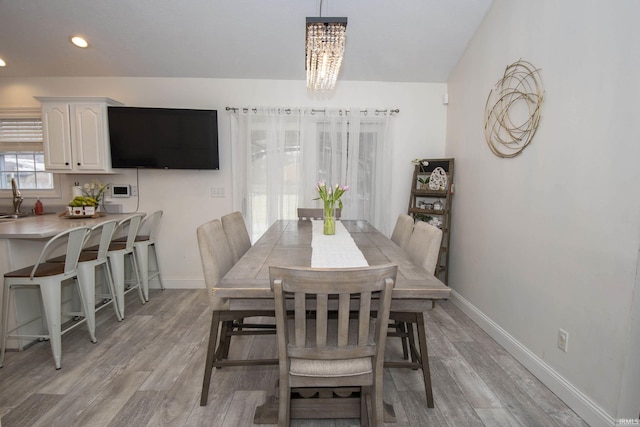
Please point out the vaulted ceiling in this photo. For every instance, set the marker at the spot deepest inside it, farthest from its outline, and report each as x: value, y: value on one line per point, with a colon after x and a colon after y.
x: 387, y: 40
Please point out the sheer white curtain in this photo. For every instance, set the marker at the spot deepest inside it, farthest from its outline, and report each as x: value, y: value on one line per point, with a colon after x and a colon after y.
x: 369, y: 170
x: 325, y: 145
x: 266, y: 164
x: 279, y: 154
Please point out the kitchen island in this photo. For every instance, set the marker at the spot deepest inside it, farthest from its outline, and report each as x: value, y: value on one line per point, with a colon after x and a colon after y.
x: 21, y: 241
x: 48, y: 225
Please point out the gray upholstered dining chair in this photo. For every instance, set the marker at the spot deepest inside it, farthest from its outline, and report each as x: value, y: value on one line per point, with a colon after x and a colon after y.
x: 315, y: 213
x: 402, y: 230
x: 216, y: 256
x: 317, y: 349
x: 424, y: 246
x: 424, y: 250
x: 400, y: 236
x: 217, y: 259
x: 237, y: 235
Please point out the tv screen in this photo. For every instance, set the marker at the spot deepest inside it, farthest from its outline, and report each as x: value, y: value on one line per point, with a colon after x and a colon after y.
x: 163, y: 138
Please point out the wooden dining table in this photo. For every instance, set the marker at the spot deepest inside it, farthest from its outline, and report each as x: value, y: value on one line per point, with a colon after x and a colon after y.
x: 288, y: 243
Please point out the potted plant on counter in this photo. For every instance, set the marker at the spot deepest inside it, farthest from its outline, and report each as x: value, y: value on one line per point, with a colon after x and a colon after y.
x: 89, y: 202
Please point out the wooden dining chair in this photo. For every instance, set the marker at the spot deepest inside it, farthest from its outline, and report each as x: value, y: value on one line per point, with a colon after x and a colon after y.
x: 315, y: 213
x: 237, y: 235
x: 316, y: 349
x: 423, y: 249
x: 402, y: 230
x: 217, y: 259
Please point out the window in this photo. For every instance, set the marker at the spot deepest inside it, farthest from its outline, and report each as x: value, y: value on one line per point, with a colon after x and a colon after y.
x: 21, y: 153
x: 280, y: 154
x: 27, y: 168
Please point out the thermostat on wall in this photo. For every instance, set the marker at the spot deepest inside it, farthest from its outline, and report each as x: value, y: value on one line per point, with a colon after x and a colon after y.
x: 120, y: 190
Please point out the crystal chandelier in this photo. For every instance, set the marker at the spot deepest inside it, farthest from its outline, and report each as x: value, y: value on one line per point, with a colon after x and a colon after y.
x: 325, y: 47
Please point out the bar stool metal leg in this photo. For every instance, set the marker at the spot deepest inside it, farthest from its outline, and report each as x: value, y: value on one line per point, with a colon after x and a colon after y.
x: 5, y: 322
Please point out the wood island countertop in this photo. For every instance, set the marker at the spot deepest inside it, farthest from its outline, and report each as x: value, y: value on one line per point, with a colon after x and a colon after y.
x: 47, y: 225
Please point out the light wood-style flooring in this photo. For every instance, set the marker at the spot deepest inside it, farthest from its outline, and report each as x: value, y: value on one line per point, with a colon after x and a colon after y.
x: 147, y: 371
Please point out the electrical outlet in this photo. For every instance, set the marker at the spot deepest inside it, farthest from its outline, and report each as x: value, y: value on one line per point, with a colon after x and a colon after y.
x: 563, y: 340
x: 217, y: 191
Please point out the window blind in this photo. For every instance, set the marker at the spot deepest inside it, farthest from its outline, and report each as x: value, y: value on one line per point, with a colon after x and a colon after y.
x: 22, y: 134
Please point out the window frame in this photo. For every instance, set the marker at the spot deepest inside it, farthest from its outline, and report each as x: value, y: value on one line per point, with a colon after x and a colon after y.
x: 29, y: 113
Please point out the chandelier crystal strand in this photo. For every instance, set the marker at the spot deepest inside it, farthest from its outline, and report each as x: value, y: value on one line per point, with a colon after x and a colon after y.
x: 325, y: 48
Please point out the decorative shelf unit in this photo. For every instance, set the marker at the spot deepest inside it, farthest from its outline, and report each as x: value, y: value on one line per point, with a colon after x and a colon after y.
x: 421, y: 206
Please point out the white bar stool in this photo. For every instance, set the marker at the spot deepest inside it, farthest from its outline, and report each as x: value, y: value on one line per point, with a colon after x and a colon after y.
x: 89, y: 262
x: 144, y: 245
x: 48, y: 278
x: 87, y: 269
x: 119, y: 251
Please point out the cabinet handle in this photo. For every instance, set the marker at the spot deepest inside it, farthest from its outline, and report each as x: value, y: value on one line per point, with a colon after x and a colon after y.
x: 66, y: 163
x: 78, y: 163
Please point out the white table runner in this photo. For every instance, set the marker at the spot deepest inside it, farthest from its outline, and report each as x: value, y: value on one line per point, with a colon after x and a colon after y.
x: 336, y: 251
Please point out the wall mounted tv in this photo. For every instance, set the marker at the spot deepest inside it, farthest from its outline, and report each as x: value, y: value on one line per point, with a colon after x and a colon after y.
x: 163, y: 138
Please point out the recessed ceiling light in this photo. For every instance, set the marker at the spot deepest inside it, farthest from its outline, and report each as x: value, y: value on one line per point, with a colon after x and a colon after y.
x: 2, y: 63
x: 79, y: 41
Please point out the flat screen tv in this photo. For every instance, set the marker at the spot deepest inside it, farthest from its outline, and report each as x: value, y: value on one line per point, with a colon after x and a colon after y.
x: 163, y: 138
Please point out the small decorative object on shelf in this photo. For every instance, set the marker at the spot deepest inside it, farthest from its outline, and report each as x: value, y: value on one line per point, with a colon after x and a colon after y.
x: 420, y: 162
x: 422, y: 217
x: 438, y: 206
x: 435, y: 221
x: 438, y: 179
x: 424, y: 182
x: 330, y: 195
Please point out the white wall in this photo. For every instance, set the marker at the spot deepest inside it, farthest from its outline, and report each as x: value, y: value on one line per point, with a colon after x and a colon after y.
x: 185, y: 195
x: 550, y: 239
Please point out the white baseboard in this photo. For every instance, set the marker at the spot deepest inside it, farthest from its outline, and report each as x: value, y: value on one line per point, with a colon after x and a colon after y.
x: 581, y: 404
x: 170, y: 283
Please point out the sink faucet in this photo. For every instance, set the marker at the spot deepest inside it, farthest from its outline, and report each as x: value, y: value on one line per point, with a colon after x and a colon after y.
x: 17, y: 197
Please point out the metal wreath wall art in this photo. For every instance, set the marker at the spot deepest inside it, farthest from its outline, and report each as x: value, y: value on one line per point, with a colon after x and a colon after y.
x: 512, y: 111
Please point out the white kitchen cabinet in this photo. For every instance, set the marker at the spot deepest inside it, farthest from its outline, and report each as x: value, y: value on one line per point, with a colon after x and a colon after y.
x: 76, y: 134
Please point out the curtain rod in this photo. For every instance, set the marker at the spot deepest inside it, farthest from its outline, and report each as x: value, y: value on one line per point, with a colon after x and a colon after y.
x: 313, y: 111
